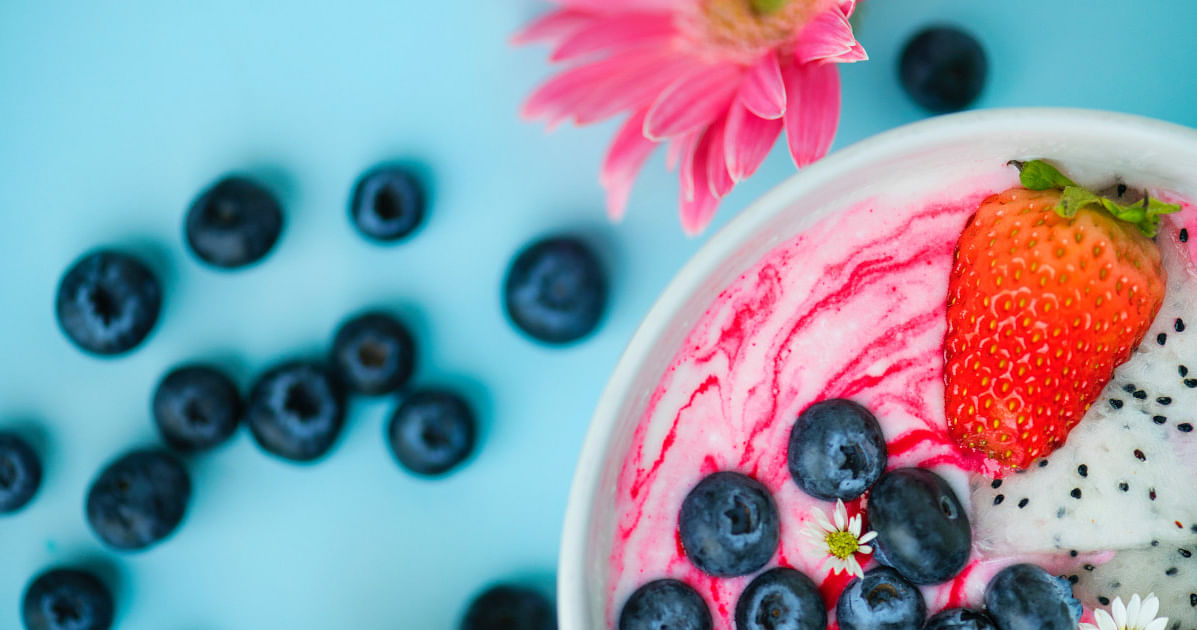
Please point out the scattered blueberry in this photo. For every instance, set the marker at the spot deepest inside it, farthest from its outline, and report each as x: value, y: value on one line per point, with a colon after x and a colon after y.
x: 431, y: 432
x: 781, y: 599
x: 373, y: 353
x: 922, y: 529
x: 1026, y: 596
x: 67, y: 599
x: 943, y: 69
x: 729, y: 524
x: 881, y: 600
x: 556, y: 290
x: 506, y: 607
x: 960, y: 619
x: 138, y: 500
x: 837, y: 450
x: 665, y: 604
x: 108, y: 302
x: 233, y: 223
x: 196, y: 407
x: 20, y: 473
x: 296, y: 411
x: 387, y: 203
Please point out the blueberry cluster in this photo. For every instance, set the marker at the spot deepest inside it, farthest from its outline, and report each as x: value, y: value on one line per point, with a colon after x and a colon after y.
x: 728, y: 526
x: 108, y: 302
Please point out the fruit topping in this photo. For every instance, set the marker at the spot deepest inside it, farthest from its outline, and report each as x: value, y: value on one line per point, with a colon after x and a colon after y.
x: 664, y: 604
x: 881, y: 600
x: 836, y: 450
x: 1025, y: 597
x: 922, y: 528
x: 729, y: 525
x: 781, y: 599
x: 1051, y: 289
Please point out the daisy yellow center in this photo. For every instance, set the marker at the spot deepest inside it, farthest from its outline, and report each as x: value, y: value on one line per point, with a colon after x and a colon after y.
x: 746, y: 28
x: 842, y: 544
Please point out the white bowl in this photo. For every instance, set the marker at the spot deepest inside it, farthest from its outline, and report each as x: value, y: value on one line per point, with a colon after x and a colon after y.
x: 913, y: 161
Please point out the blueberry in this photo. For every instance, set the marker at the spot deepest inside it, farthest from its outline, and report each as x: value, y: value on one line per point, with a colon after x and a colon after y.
x: 729, y: 525
x: 556, y: 290
x: 881, y: 600
x: 508, y: 607
x: 373, y: 354
x: 296, y: 410
x: 960, y: 619
x: 108, y: 302
x: 943, y: 69
x: 138, y: 500
x: 20, y: 473
x: 1025, y: 597
x: 67, y: 599
x: 196, y: 407
x: 837, y: 450
x: 431, y: 432
x: 387, y: 203
x: 922, y: 529
x: 665, y: 605
x: 781, y: 599
x: 234, y: 223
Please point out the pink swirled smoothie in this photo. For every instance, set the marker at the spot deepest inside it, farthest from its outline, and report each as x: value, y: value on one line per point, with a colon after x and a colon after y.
x: 855, y: 309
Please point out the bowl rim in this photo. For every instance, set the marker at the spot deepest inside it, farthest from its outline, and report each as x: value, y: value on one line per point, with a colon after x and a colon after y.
x: 572, y: 574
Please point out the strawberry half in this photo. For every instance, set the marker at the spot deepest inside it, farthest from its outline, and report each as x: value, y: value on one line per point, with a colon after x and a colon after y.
x: 1052, y: 287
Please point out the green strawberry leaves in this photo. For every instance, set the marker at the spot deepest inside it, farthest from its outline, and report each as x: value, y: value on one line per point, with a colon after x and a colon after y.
x: 1039, y: 175
x: 1143, y: 214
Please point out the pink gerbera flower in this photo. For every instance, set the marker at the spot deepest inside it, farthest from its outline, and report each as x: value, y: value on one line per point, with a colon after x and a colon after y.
x: 716, y: 80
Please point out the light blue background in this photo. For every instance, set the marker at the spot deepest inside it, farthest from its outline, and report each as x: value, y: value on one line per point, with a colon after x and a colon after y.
x: 114, y: 114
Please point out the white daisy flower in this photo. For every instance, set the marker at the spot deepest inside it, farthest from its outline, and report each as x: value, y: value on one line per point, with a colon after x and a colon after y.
x: 840, y: 538
x: 1137, y: 615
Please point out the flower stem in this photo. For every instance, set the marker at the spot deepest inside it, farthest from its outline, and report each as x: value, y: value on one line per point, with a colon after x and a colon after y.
x: 768, y: 6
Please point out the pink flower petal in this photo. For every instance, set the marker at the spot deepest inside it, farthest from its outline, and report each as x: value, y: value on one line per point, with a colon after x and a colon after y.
x: 615, y: 32
x: 621, y: 6
x: 856, y: 53
x: 679, y: 148
x: 694, y: 100
x: 697, y: 208
x: 626, y: 155
x: 748, y: 140
x: 638, y: 83
x: 552, y: 26
x: 718, y: 178
x: 561, y: 96
x: 813, y: 113
x: 763, y: 92
x: 828, y: 36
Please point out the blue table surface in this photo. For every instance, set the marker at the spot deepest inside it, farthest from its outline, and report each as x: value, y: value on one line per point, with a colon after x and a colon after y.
x: 114, y: 114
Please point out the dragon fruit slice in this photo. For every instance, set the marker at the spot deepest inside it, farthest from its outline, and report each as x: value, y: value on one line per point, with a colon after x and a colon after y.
x: 1125, y: 476
x: 1168, y: 571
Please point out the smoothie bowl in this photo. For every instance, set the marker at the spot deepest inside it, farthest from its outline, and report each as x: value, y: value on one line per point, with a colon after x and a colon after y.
x: 781, y: 422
